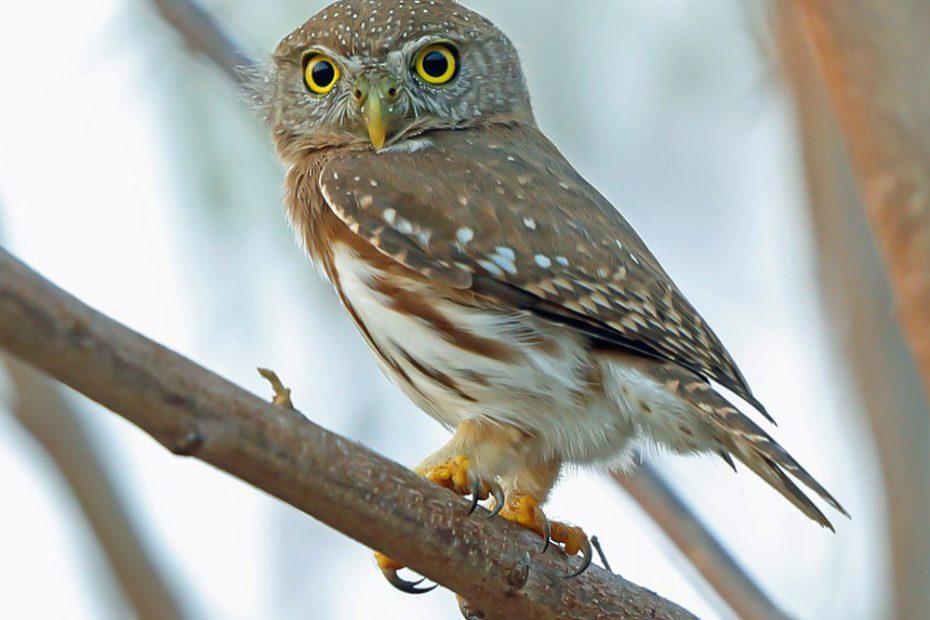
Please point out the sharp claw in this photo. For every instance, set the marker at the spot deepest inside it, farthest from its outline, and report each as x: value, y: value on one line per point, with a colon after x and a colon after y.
x: 588, y: 555
x: 498, y: 494
x: 547, y: 533
x: 600, y: 553
x: 408, y: 587
x: 475, y: 496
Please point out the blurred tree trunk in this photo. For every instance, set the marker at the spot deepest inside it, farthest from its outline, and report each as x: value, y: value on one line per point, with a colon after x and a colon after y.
x: 857, y: 298
x: 875, y: 55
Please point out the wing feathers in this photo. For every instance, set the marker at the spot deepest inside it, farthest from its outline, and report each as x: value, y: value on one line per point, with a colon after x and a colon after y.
x: 501, y: 211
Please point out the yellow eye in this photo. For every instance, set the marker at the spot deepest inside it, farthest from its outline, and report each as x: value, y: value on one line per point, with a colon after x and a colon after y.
x: 320, y: 73
x: 437, y: 64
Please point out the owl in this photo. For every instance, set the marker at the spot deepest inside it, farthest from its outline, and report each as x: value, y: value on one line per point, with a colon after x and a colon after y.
x: 503, y: 294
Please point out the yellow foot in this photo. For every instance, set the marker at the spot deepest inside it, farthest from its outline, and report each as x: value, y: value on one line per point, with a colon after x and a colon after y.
x: 525, y: 510
x: 456, y: 476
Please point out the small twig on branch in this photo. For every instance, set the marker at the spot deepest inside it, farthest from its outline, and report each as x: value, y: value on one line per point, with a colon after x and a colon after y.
x: 193, y: 412
x: 721, y: 571
x: 43, y: 412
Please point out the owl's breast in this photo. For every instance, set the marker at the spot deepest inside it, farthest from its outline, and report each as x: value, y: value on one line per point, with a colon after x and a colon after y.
x: 457, y: 358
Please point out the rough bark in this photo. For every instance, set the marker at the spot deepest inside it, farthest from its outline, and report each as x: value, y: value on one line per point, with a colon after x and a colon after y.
x: 193, y: 412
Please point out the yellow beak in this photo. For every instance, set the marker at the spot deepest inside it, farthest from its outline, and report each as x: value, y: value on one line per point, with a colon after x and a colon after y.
x: 376, y: 119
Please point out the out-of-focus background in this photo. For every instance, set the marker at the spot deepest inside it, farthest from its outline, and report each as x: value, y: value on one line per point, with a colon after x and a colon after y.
x: 133, y: 175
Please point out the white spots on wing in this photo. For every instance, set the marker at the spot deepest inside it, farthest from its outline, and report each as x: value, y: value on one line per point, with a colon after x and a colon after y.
x: 491, y: 268
x: 565, y: 186
x: 505, y: 259
x: 633, y: 256
x: 463, y: 200
x: 529, y: 223
x: 366, y: 201
x: 464, y: 235
x: 562, y: 261
x: 390, y: 215
x: 543, y: 261
x: 373, y: 183
x: 506, y: 252
x: 505, y: 264
x: 524, y: 179
x: 335, y: 176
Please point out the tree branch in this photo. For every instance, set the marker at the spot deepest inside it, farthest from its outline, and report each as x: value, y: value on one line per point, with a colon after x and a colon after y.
x: 43, y: 413
x: 876, y: 60
x: 193, y: 412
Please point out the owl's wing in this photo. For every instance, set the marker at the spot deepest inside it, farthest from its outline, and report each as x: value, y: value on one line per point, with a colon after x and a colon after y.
x: 503, y: 213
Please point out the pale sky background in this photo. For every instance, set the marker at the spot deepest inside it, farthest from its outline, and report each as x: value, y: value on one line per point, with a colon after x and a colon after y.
x: 132, y: 176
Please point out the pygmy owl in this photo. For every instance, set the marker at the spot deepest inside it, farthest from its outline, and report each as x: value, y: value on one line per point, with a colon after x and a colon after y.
x: 495, y: 286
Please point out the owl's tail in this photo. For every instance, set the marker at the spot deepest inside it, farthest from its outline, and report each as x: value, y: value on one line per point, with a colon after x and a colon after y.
x: 762, y: 454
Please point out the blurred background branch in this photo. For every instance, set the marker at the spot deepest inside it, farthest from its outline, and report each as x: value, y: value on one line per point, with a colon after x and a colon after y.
x: 383, y: 505
x: 201, y: 33
x: 874, y: 57
x: 45, y: 414
x: 855, y: 288
x: 702, y: 549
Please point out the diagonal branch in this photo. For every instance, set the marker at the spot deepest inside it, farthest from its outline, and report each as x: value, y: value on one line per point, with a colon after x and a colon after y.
x: 193, y: 412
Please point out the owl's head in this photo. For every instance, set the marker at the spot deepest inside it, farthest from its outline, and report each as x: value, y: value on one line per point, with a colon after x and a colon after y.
x: 381, y: 72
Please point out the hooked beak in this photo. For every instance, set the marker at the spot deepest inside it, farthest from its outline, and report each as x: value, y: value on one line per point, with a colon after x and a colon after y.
x: 377, y: 104
x: 377, y: 122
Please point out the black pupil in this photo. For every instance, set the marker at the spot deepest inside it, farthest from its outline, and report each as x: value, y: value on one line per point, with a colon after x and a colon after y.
x: 435, y: 64
x: 323, y: 73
